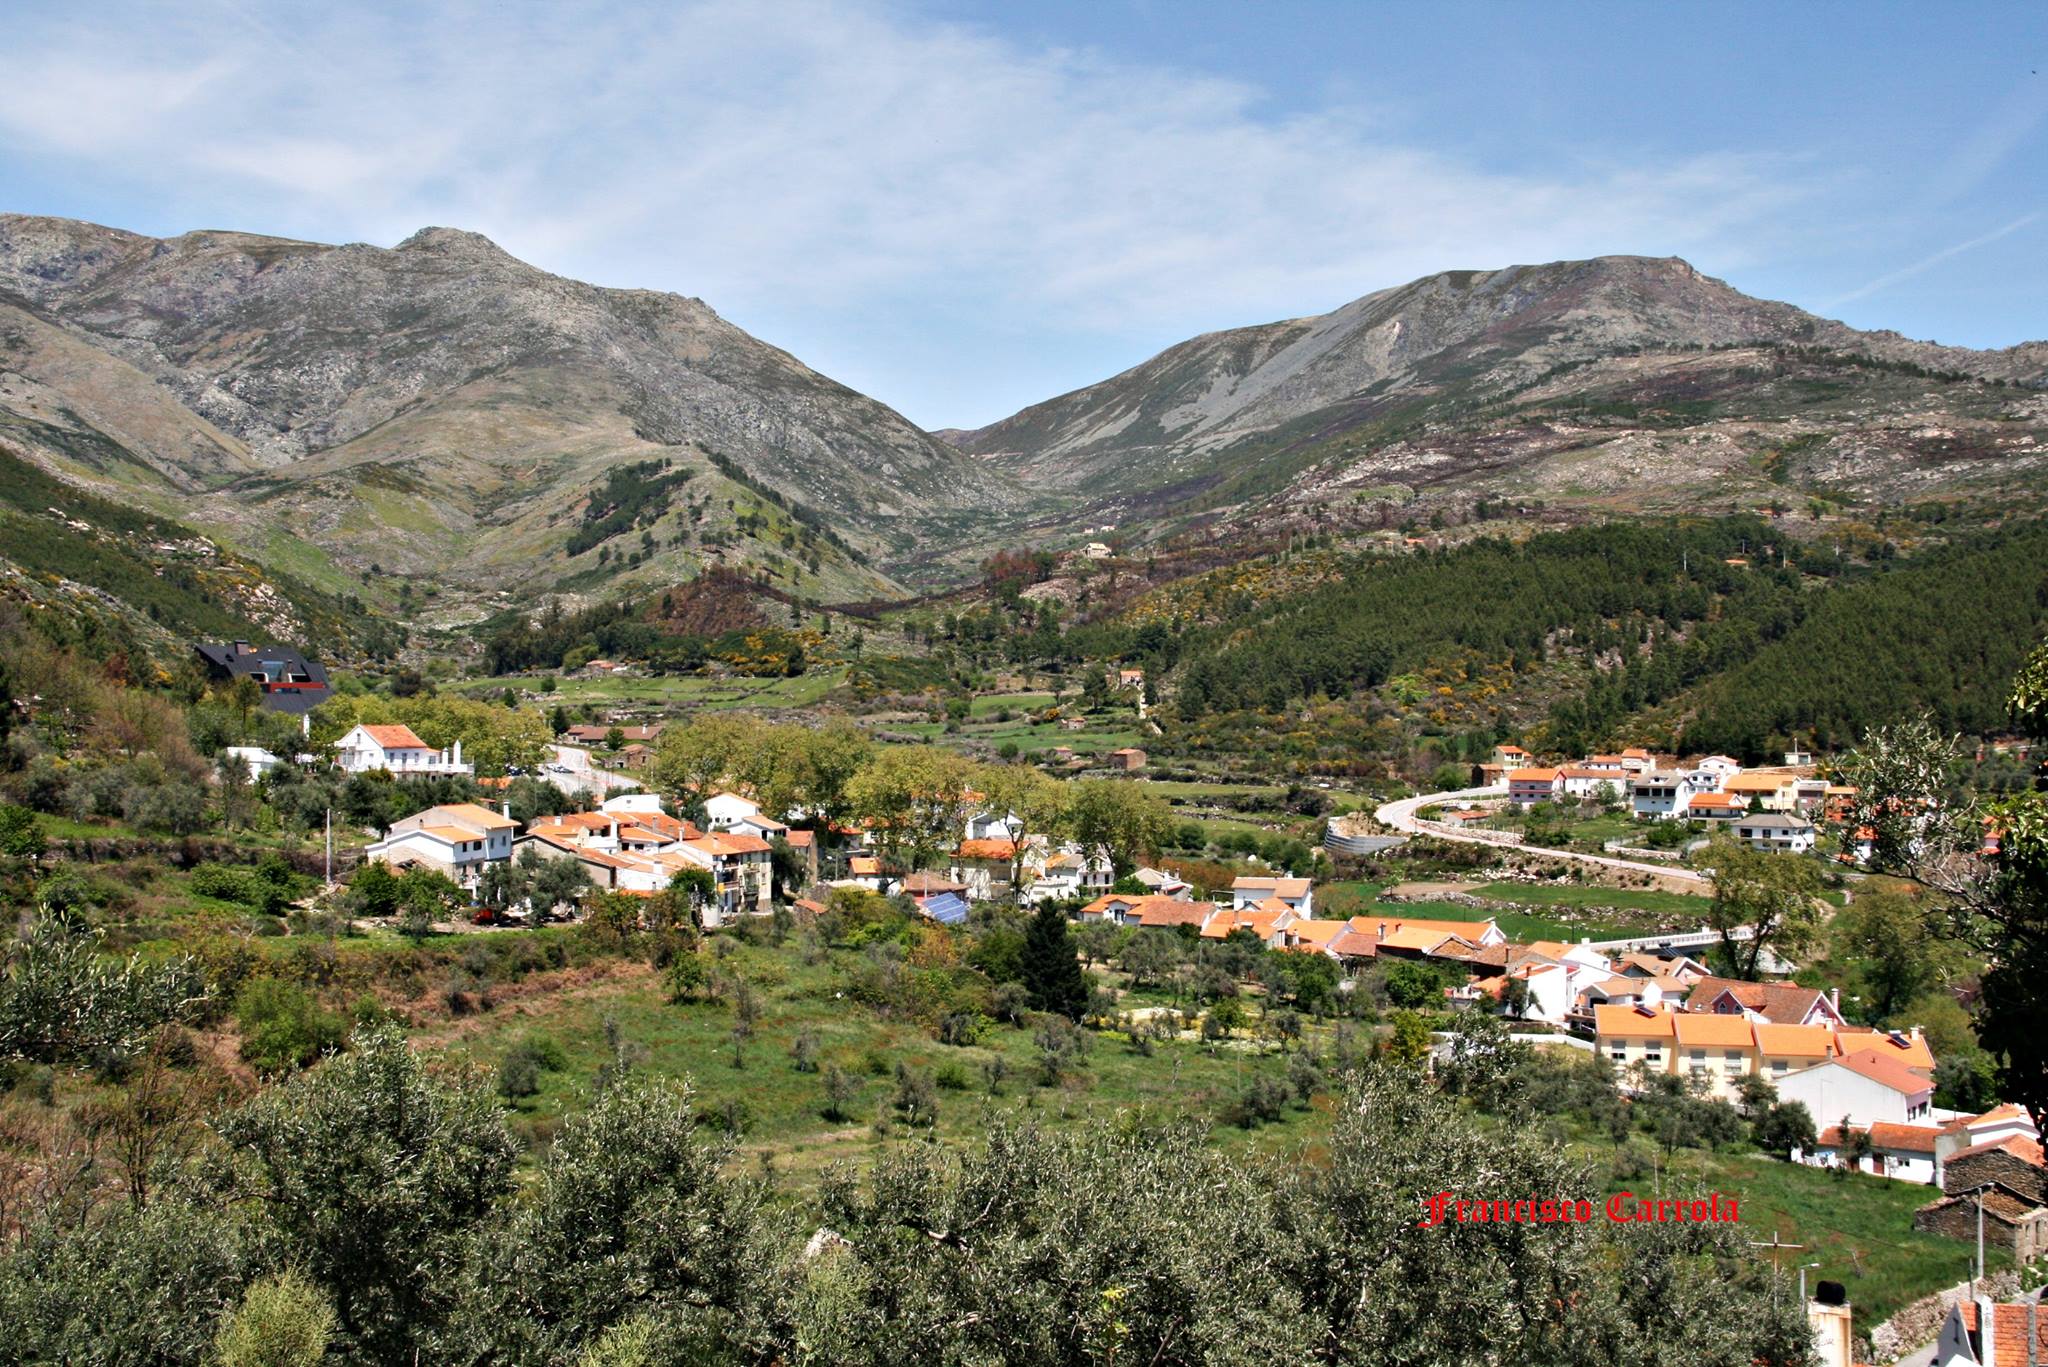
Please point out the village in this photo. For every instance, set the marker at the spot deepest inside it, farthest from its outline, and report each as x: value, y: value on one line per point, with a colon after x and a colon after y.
x: 1649, y: 1005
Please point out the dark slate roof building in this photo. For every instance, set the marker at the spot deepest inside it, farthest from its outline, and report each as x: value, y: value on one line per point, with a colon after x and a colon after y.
x: 291, y: 682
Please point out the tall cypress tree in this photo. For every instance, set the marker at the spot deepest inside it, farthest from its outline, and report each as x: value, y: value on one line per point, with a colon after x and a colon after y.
x: 1052, y: 970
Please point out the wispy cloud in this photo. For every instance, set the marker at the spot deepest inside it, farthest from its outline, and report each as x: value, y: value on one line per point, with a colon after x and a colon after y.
x: 1926, y: 263
x: 821, y: 155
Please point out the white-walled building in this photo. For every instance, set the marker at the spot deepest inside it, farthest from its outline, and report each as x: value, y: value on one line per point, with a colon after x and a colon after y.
x: 254, y: 759
x: 1775, y: 833
x: 1864, y: 1088
x: 723, y: 811
x: 1902, y: 1152
x: 457, y: 840
x: 1295, y: 893
x: 393, y: 748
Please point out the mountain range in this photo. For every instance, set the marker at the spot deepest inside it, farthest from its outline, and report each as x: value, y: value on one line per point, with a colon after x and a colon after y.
x: 440, y: 427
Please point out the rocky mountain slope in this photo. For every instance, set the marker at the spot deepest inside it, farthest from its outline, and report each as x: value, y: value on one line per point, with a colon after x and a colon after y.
x: 1481, y: 379
x: 442, y: 411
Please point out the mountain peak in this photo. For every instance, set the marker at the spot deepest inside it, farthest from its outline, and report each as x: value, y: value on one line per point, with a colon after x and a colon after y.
x: 454, y: 242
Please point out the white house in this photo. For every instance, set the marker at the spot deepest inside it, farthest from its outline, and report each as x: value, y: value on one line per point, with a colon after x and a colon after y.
x: 1865, y: 1088
x: 1583, y: 782
x: 1295, y: 893
x: 1662, y: 794
x: 995, y: 826
x: 1999, y: 1123
x: 723, y: 811
x: 1775, y: 832
x: 1903, y: 1152
x: 1069, y: 873
x: 1719, y: 765
x: 394, y: 749
x: 256, y: 760
x: 457, y: 839
x: 632, y: 802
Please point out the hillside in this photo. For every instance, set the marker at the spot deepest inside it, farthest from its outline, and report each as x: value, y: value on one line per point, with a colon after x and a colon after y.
x: 1619, y: 380
x: 442, y: 411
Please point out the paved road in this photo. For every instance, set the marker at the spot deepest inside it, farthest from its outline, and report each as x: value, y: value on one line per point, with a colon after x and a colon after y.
x: 1401, y: 817
x: 583, y: 775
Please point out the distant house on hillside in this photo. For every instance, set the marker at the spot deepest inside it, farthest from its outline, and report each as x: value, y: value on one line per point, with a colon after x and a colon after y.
x: 1130, y: 757
x: 290, y: 682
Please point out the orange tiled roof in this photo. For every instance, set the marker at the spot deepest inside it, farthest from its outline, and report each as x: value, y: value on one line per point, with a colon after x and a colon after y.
x: 1632, y: 1020
x: 1886, y: 1135
x: 1165, y: 911
x: 1277, y: 887
x: 1794, y: 1041
x: 1886, y: 1072
x: 988, y: 849
x: 2018, y: 1145
x: 395, y: 736
x: 1911, y: 1050
x: 1712, y: 1031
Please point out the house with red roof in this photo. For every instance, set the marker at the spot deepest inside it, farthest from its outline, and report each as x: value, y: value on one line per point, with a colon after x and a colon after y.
x: 1902, y: 1152
x: 392, y: 748
x: 1528, y: 786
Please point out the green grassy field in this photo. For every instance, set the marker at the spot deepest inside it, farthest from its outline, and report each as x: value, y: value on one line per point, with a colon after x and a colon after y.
x: 1686, y: 908
x: 783, y: 1124
x: 1859, y: 1228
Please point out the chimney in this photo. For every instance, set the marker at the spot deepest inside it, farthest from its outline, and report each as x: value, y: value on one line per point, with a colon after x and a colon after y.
x: 1835, y: 998
x: 458, y: 752
x: 505, y: 808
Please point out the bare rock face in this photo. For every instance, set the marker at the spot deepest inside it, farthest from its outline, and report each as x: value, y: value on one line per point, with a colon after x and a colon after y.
x: 1194, y: 414
x: 445, y: 352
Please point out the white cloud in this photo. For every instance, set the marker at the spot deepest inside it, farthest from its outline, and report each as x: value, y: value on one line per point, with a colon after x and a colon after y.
x: 819, y: 154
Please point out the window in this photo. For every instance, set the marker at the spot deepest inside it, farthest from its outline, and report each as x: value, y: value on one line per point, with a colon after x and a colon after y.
x: 1618, y: 1052
x: 1733, y: 1057
x: 1653, y: 1054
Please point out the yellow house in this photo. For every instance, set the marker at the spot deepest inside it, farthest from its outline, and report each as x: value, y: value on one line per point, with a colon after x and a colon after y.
x: 1783, y: 1049
x: 1714, y: 1048
x: 1774, y: 792
x: 1629, y: 1035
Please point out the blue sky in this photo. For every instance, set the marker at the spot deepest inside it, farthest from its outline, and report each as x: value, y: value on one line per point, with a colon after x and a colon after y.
x: 963, y: 207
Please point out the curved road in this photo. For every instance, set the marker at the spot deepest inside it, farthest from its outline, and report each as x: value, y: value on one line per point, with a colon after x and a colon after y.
x: 1401, y: 817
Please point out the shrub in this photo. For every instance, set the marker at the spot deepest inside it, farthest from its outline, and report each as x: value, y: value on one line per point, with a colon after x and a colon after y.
x: 518, y: 1076
x: 282, y: 1026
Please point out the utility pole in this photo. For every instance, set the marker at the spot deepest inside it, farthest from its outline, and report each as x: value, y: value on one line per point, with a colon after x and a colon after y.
x: 330, y: 847
x: 1776, y: 1246
x: 1803, y: 1267
x: 1980, y: 1242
